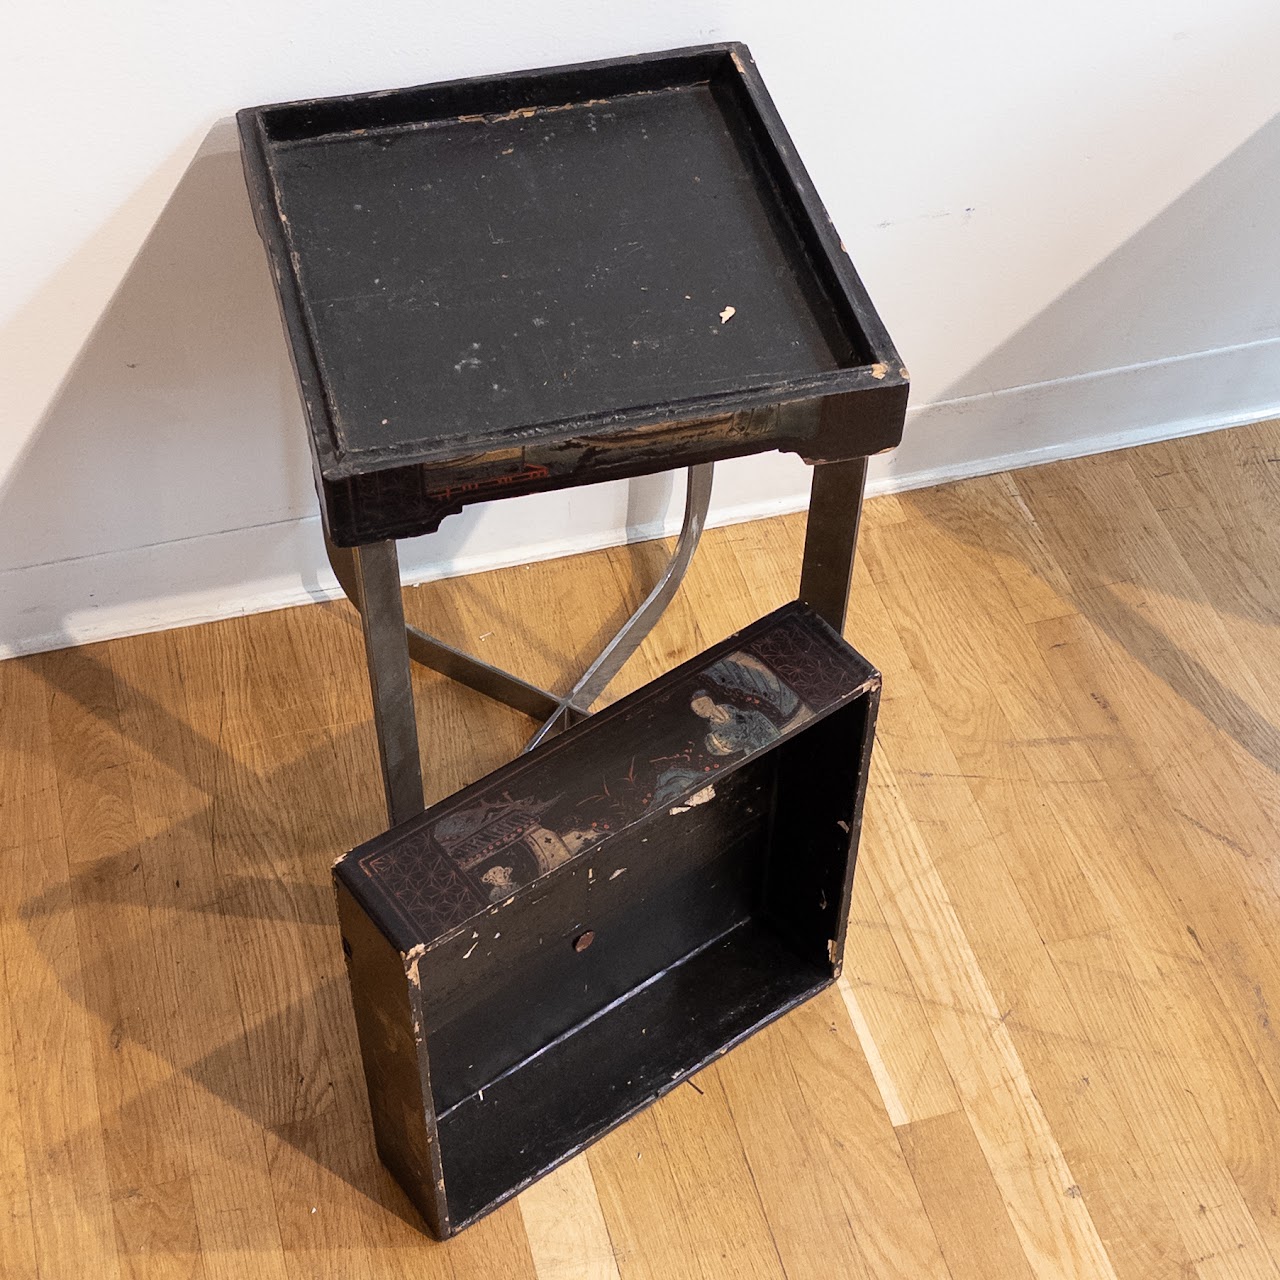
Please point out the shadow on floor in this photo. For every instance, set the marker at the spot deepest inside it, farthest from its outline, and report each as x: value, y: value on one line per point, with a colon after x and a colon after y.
x: 1195, y: 272
x: 289, y: 1069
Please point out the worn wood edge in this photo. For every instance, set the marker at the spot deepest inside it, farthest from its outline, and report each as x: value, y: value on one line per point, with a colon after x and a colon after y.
x: 400, y: 932
x: 761, y: 125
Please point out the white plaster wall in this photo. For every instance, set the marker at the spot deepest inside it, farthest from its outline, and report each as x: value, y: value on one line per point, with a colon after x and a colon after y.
x: 1067, y: 215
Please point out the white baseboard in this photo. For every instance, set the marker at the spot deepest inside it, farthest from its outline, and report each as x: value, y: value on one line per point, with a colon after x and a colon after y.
x: 279, y: 564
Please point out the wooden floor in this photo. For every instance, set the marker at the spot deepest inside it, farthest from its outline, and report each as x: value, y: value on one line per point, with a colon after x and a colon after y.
x: 1054, y: 1050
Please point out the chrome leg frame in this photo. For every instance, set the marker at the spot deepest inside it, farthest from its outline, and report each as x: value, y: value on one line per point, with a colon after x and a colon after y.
x: 831, y: 537
x: 370, y: 577
x: 577, y: 702
x: 374, y: 577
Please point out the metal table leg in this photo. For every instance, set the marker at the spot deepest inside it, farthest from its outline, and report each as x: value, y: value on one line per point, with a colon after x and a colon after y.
x: 370, y: 578
x: 493, y: 682
x: 831, y: 537
x: 613, y: 657
x: 375, y: 580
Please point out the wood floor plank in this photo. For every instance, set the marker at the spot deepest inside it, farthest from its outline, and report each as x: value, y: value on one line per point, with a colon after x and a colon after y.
x: 68, y: 1186
x: 898, y: 1039
x: 147, y: 1162
x: 1135, y: 587
x: 15, y: 1199
x: 1210, y: 1174
x: 1008, y: 931
x: 1032, y: 800
x: 174, y: 763
x: 1036, y: 1006
x: 568, y: 1239
x: 28, y: 815
x: 836, y: 1191
x: 678, y: 1192
x: 961, y: 1198
x: 1051, y: 1052
x: 1150, y: 1073
x: 1042, y: 1196
x: 893, y: 1104
x: 1221, y: 923
x: 497, y: 1246
x: 637, y: 1193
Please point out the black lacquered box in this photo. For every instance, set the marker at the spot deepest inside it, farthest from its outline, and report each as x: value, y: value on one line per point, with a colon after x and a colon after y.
x: 543, y: 954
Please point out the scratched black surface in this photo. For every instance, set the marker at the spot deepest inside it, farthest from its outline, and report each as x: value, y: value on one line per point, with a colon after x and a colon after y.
x: 488, y: 274
x: 520, y: 283
x: 715, y: 900
x: 646, y: 752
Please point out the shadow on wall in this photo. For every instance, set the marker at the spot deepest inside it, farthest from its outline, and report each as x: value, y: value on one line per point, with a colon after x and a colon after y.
x: 1201, y: 278
x: 179, y: 426
x: 1207, y: 266
x: 1202, y: 275
x: 179, y: 417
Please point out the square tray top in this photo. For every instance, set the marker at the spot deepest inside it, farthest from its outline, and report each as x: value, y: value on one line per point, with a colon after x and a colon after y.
x: 489, y: 268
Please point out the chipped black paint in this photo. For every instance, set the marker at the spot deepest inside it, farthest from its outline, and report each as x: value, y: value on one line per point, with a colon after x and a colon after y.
x: 702, y: 833
x: 502, y: 286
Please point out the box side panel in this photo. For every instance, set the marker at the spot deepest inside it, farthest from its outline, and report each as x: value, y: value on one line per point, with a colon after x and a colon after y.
x: 393, y: 1052
x: 641, y: 756
x: 520, y: 91
x: 403, y: 501
x: 814, y: 840
x: 414, y: 498
x: 871, y: 712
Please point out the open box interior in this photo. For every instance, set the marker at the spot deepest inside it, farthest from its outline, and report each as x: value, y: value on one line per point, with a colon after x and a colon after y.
x: 708, y: 920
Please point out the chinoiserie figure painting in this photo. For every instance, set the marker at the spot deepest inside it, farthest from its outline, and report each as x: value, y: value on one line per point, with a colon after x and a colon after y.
x: 745, y: 706
x: 737, y: 706
x: 757, y: 709
x: 733, y: 729
x: 500, y: 881
x: 550, y: 849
